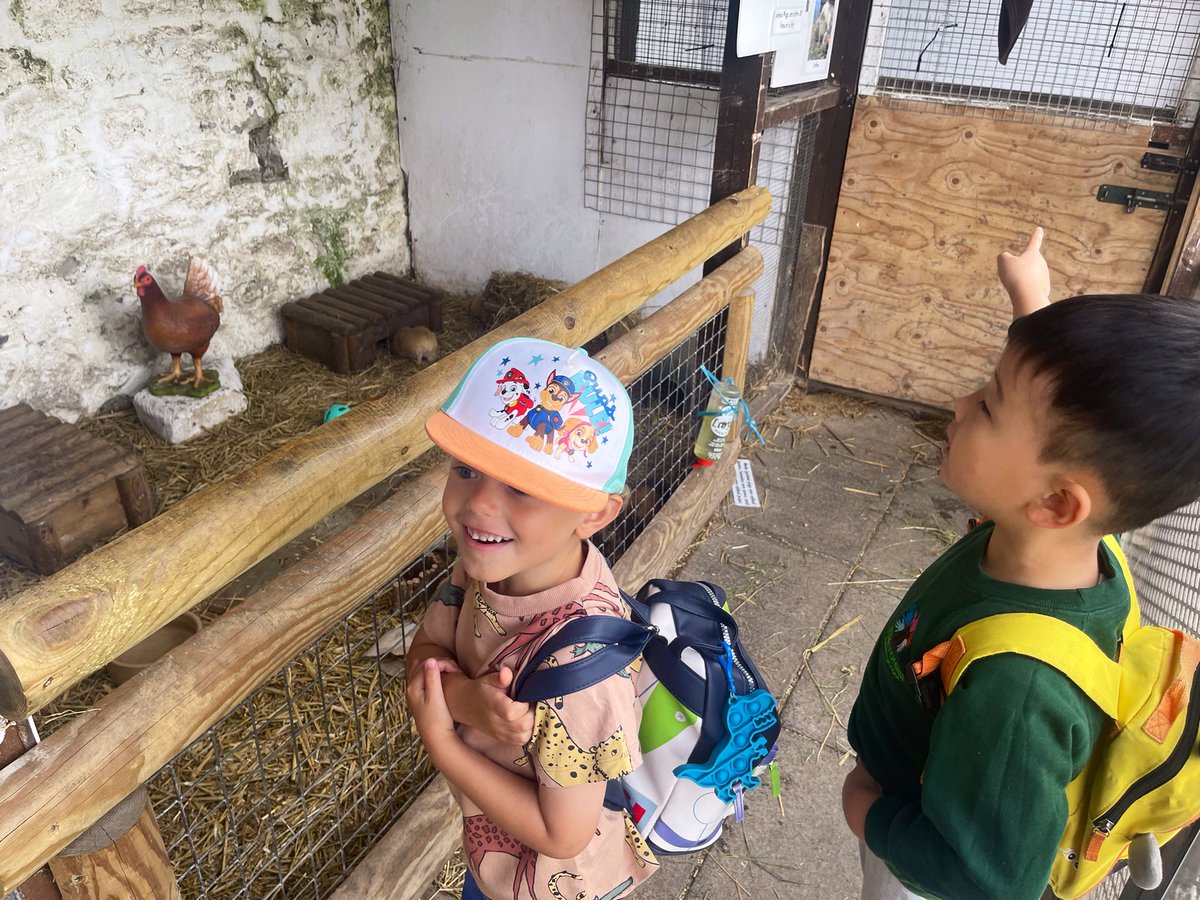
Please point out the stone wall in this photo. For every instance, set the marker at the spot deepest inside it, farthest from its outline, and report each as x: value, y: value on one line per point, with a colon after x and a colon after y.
x: 257, y: 134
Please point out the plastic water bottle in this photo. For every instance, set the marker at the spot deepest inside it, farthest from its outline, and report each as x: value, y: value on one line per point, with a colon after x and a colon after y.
x: 718, y: 420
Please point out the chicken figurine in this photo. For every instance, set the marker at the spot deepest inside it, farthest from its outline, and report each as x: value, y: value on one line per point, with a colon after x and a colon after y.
x: 185, y: 325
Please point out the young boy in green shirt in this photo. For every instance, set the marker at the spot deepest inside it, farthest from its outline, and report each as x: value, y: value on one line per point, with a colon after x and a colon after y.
x: 1089, y: 425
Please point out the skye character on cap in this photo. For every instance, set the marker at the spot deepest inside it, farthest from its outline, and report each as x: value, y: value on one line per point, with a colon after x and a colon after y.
x: 516, y: 399
x: 579, y: 435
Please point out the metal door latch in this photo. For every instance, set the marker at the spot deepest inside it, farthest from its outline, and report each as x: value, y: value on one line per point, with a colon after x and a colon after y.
x: 1132, y: 198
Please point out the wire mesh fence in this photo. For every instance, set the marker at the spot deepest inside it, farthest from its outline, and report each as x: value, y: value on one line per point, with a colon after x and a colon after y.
x: 1096, y: 62
x: 652, y: 128
x: 292, y: 788
x: 652, y: 107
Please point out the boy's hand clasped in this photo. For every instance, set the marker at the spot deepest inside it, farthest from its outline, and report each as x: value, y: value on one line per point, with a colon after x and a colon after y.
x: 427, y: 703
x: 482, y: 703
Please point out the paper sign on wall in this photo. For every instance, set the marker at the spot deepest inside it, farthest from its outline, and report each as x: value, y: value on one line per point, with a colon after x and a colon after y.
x: 801, y: 31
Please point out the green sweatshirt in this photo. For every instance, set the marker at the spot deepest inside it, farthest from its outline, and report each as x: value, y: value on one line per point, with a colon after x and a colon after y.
x: 973, y: 799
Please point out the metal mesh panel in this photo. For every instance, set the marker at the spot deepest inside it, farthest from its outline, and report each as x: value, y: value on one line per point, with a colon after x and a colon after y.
x: 652, y: 107
x: 1164, y: 558
x: 292, y: 788
x: 785, y: 169
x: 665, y: 399
x: 1101, y: 61
x: 651, y: 127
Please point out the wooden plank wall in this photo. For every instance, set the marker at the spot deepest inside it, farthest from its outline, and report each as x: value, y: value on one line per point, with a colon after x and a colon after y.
x: 911, y: 307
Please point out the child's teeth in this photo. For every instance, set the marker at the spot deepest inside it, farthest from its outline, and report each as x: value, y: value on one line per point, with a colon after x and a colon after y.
x: 487, y: 538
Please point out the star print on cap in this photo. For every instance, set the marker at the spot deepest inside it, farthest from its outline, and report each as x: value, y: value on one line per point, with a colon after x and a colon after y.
x: 545, y: 419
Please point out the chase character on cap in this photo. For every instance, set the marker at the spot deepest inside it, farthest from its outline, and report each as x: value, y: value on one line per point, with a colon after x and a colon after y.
x: 515, y: 398
x: 530, y: 779
x: 546, y: 418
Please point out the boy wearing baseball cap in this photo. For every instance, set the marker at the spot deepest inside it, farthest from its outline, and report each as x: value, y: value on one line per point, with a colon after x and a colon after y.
x: 530, y: 781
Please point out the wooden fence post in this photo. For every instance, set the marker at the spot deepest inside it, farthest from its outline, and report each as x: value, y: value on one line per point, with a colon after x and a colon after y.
x: 120, y: 857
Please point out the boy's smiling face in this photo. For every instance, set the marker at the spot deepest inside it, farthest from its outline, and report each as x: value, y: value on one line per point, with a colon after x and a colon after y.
x: 515, y: 543
x: 993, y: 446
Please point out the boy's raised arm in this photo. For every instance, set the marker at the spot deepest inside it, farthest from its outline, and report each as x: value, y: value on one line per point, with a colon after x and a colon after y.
x: 1025, y: 276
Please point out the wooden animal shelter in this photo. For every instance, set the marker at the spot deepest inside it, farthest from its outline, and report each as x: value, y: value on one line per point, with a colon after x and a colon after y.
x: 847, y: 230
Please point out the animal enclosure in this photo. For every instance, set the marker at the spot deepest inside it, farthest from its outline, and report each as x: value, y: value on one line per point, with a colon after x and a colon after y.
x: 275, y: 743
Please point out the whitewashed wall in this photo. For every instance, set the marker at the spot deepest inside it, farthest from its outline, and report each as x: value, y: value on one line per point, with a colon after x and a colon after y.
x: 145, y: 131
x: 493, y: 99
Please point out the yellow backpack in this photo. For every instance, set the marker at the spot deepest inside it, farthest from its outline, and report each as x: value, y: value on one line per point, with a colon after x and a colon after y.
x: 1141, y: 784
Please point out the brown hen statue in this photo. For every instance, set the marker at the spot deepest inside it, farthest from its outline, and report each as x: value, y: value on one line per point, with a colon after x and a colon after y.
x: 185, y: 325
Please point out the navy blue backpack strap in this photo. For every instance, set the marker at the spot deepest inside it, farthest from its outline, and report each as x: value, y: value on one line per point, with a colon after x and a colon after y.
x: 623, y: 642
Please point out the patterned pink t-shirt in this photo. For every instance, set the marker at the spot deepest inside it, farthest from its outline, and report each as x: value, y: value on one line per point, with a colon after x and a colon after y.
x: 586, y: 737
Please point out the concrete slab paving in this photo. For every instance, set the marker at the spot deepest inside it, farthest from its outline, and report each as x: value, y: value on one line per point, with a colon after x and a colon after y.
x: 852, y: 512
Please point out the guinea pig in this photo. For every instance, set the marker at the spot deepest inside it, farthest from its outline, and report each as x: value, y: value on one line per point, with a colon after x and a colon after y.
x: 417, y: 343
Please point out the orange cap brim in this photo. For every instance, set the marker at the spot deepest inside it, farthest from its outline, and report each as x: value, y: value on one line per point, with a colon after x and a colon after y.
x: 514, y: 470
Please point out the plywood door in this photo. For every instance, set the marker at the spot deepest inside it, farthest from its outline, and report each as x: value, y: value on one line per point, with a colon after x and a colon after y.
x: 911, y: 307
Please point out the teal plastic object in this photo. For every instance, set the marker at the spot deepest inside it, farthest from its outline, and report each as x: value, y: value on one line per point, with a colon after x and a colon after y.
x: 747, y: 719
x: 338, y: 409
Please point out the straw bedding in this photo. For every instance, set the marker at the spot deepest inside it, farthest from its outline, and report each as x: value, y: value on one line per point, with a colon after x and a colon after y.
x: 268, y: 801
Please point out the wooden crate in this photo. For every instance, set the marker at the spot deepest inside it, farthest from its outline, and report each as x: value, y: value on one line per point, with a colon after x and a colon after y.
x: 63, y: 489
x: 345, y: 327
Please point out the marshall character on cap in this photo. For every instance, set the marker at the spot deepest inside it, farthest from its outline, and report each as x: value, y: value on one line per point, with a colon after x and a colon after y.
x: 513, y: 391
x: 530, y: 779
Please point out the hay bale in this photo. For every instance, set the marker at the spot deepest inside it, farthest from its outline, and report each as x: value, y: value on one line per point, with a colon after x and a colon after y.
x: 508, y: 294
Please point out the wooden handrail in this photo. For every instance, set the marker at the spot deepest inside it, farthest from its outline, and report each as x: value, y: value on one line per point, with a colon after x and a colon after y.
x: 60, y: 788
x: 59, y: 631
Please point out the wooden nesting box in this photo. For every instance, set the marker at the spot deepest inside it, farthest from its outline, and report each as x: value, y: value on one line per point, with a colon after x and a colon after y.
x: 345, y: 327
x: 63, y: 489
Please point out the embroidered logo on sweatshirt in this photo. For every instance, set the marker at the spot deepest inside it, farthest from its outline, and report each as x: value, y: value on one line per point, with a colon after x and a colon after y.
x: 899, y: 640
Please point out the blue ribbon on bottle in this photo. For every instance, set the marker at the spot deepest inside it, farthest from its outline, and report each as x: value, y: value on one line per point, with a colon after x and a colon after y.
x: 741, y: 401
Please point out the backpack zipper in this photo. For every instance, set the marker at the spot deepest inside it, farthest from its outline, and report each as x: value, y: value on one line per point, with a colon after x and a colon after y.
x: 725, y: 636
x: 1162, y: 773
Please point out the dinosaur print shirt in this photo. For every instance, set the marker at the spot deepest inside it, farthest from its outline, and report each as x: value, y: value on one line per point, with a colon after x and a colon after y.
x: 586, y: 737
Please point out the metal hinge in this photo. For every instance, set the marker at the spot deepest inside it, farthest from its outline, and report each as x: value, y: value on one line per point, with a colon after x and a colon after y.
x: 1132, y: 198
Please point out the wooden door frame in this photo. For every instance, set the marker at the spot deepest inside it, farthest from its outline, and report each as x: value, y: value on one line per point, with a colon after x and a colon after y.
x: 745, y: 111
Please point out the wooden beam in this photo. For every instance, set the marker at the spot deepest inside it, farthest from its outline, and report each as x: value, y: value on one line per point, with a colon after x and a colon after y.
x: 408, y: 856
x: 143, y: 724
x: 807, y: 268
x: 668, y: 74
x: 833, y: 137
x: 62, y: 629
x: 135, y: 864
x: 744, y: 83
x: 648, y: 342
x: 798, y: 104
x: 737, y: 338
x: 1165, y: 275
x: 51, y: 795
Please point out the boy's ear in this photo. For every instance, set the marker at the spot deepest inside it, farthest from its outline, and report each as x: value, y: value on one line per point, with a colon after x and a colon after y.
x: 1067, y: 504
x: 594, y: 521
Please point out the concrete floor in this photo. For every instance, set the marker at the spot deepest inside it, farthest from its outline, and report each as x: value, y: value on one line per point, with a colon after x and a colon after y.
x: 852, y: 512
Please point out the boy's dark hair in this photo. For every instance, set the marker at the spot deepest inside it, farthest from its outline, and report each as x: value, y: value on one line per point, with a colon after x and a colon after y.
x: 1124, y: 397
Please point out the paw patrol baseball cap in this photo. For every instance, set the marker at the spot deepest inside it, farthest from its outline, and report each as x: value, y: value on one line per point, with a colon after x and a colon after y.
x: 545, y: 419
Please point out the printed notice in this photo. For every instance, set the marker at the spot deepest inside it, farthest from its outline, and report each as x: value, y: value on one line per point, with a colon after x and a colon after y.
x: 744, y: 491
x: 789, y: 20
